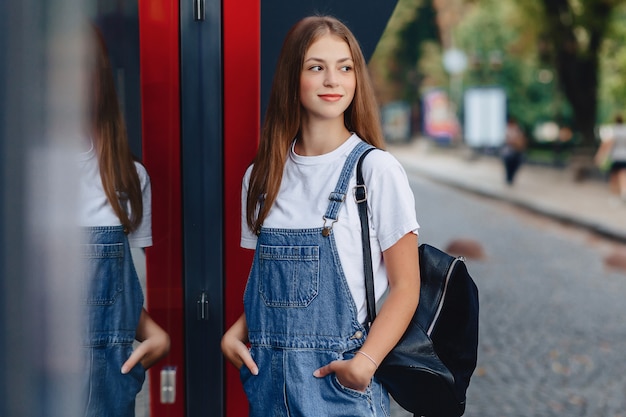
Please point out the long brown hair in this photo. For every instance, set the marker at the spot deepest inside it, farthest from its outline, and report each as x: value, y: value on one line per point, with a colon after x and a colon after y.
x: 117, y: 166
x: 284, y: 111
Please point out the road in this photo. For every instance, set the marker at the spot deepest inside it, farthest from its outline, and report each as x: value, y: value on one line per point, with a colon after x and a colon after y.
x: 552, y: 320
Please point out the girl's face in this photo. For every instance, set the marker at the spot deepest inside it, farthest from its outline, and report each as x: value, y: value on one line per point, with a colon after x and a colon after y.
x: 327, y: 81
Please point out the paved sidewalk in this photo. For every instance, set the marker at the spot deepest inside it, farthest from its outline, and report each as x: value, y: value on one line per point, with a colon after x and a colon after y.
x: 546, y: 190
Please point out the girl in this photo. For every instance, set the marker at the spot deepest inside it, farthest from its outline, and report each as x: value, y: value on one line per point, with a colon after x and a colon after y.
x: 312, y: 354
x: 115, y: 214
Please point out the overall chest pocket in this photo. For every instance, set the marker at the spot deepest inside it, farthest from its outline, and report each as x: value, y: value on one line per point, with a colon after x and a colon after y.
x: 104, y: 279
x: 289, y: 275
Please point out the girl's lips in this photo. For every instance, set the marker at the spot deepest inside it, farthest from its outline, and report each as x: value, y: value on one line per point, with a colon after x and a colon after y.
x: 330, y: 97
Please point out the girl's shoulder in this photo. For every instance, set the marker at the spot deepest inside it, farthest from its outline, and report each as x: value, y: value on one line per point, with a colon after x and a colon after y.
x: 247, y: 175
x: 380, y: 161
x: 142, y: 172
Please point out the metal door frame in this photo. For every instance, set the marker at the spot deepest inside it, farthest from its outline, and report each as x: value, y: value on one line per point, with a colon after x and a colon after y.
x: 202, y: 196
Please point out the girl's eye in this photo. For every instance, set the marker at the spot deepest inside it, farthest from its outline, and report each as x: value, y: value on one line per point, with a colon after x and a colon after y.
x: 316, y: 68
x: 346, y: 68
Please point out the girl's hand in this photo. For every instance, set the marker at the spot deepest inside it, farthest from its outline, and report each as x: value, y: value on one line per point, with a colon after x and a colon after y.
x: 402, y: 263
x: 155, y: 344
x: 234, y: 346
x: 355, y: 373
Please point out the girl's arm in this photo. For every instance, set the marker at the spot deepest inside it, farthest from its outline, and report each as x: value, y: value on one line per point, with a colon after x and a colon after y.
x: 401, y: 261
x: 603, y: 152
x: 155, y: 343
x: 234, y: 346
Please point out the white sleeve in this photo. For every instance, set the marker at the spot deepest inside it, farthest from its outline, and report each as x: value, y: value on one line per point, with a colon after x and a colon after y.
x: 142, y: 236
x: 390, y: 198
x: 248, y: 238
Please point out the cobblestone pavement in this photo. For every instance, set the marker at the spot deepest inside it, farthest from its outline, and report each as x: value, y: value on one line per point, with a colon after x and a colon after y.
x: 552, y: 331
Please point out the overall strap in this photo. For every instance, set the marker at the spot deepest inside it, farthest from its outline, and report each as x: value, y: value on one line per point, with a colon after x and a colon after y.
x: 338, y: 196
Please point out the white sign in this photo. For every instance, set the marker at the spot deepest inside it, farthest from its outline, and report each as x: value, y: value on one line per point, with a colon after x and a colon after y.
x: 485, y: 117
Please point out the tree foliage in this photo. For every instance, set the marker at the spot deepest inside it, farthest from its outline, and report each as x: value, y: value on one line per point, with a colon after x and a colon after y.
x: 560, y: 60
x: 501, y: 47
x: 574, y: 33
x: 398, y: 54
x: 612, y: 94
x: 575, y: 39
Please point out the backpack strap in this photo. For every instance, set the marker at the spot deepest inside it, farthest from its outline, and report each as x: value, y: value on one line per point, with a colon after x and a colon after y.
x: 360, y: 195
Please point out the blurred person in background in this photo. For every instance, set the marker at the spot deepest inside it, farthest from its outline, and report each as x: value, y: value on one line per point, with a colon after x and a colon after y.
x: 115, y: 215
x: 513, y: 149
x: 612, y: 153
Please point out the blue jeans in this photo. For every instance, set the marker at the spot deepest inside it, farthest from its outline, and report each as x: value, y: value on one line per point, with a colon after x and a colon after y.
x: 113, y: 301
x: 512, y: 162
x: 300, y: 316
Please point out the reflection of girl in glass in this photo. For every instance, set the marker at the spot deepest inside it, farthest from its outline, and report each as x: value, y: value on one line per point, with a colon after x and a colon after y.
x: 114, y: 212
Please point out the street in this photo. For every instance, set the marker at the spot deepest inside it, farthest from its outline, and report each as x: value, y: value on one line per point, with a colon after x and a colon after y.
x: 552, y: 330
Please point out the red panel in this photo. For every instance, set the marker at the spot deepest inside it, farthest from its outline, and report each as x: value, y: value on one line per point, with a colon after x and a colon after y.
x: 160, y: 98
x: 241, y: 28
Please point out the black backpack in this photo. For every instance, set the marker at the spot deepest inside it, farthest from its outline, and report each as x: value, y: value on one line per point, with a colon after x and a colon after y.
x: 429, y: 370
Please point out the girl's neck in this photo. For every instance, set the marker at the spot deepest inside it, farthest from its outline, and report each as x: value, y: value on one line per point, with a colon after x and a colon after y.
x: 321, y: 138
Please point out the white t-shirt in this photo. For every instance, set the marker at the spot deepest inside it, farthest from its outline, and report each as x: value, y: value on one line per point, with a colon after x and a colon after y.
x: 303, y: 199
x: 94, y: 208
x: 618, y: 152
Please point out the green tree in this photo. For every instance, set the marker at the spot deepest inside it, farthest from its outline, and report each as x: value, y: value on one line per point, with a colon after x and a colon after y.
x: 394, y: 63
x: 560, y: 60
x: 574, y: 31
x: 501, y: 46
x: 612, y: 95
x: 409, y: 50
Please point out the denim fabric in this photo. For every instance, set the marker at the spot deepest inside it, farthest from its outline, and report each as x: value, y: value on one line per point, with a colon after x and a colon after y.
x: 113, y: 301
x: 301, y: 316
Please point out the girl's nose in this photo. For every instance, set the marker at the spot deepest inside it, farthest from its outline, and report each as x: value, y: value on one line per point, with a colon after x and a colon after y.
x: 331, y: 79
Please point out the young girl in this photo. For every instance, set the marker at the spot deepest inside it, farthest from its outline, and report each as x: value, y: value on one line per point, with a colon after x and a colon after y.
x: 312, y: 354
x: 114, y: 209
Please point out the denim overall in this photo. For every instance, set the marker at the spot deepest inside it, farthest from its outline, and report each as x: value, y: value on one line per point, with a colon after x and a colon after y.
x: 300, y: 316
x: 113, y: 301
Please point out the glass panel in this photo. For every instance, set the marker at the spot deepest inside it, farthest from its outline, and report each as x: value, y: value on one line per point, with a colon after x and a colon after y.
x: 41, y: 104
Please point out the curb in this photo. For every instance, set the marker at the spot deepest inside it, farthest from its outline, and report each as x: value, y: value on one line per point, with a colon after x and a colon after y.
x: 536, y: 208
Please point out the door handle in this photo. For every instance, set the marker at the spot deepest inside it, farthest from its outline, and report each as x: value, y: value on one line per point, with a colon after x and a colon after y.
x: 202, y: 306
x: 198, y: 10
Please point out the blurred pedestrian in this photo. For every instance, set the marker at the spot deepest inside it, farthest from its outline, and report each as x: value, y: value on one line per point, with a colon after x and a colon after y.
x: 612, y: 154
x: 312, y: 352
x: 513, y: 149
x: 115, y: 214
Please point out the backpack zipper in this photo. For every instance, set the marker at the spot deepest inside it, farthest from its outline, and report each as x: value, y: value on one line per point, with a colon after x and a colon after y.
x: 443, y: 295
